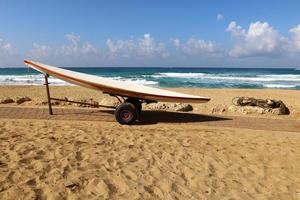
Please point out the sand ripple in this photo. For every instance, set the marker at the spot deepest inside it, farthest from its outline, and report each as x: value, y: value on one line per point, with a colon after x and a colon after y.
x: 102, y: 160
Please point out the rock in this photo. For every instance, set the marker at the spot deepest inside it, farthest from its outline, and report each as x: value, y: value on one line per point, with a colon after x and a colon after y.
x: 262, y: 106
x: 54, y: 103
x: 258, y: 110
x: 254, y: 109
x: 21, y: 100
x: 218, y: 109
x: 283, y: 110
x: 109, y: 102
x: 7, y: 100
x: 158, y: 106
x: 232, y: 108
x: 27, y: 98
x: 183, y: 107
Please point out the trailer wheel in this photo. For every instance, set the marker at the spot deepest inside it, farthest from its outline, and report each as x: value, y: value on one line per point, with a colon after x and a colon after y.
x: 136, y: 103
x: 126, y: 113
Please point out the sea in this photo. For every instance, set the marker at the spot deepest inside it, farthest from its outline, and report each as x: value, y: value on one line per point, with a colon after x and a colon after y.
x: 283, y: 78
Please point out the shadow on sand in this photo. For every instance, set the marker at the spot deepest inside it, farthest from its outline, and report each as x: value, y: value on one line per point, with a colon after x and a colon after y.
x: 153, y: 117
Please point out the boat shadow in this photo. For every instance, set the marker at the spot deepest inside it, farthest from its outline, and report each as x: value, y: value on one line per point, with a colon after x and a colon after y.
x: 154, y: 117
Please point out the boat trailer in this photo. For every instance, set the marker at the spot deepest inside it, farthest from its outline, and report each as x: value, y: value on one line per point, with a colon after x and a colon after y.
x: 127, y: 112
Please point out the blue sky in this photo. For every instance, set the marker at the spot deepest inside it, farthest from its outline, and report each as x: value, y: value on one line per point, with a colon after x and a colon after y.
x: 151, y: 33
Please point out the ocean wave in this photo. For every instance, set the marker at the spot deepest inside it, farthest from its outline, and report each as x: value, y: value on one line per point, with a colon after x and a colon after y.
x: 178, y: 75
x: 134, y: 80
x: 29, y: 80
x: 281, y: 76
x: 40, y: 79
x: 279, y: 86
x: 224, y: 77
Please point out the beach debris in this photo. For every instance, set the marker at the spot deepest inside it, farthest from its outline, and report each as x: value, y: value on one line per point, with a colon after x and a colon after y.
x: 252, y: 105
x: 182, y: 107
x: 7, y: 100
x: 20, y: 100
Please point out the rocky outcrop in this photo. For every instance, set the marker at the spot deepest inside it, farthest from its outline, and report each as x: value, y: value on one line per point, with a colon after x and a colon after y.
x: 182, y: 107
x: 109, y: 102
x: 20, y: 100
x: 248, y: 105
x: 7, y: 100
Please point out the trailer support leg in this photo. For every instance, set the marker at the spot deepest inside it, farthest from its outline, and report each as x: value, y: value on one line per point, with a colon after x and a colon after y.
x: 48, y: 94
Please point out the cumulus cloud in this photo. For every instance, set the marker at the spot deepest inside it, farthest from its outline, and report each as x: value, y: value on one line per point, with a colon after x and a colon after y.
x: 260, y: 39
x: 123, y: 48
x: 75, y: 47
x: 295, y: 38
x: 145, y: 46
x: 235, y: 29
x: 219, y: 17
x: 194, y: 46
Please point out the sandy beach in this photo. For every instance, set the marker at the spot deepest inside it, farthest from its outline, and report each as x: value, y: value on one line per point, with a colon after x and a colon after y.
x: 209, y: 153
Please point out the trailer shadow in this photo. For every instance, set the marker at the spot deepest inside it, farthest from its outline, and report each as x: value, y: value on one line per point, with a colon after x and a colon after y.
x: 153, y: 117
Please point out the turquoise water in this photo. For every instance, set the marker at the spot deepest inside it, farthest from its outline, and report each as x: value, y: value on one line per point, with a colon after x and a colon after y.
x: 287, y: 78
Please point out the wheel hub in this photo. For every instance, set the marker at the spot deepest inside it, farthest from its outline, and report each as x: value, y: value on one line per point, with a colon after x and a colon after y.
x: 126, y: 115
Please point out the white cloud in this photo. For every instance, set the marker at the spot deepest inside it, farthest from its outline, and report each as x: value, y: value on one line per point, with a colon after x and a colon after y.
x: 195, y: 46
x: 295, y: 38
x: 145, y: 46
x: 122, y: 48
x: 76, y: 47
x: 73, y: 38
x: 219, y: 17
x: 260, y: 39
x: 235, y: 30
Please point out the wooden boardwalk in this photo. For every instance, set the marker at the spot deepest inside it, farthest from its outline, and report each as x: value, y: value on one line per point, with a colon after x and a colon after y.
x: 151, y: 117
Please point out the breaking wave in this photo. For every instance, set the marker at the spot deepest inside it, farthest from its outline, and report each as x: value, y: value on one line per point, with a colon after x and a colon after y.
x: 262, y: 78
x: 40, y: 79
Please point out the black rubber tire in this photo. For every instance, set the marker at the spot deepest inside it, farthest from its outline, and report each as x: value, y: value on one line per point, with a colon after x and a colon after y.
x: 136, y: 103
x: 126, y: 113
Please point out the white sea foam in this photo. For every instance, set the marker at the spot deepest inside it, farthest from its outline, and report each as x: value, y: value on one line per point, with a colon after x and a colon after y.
x: 258, y: 78
x: 39, y: 80
x: 178, y: 75
x: 135, y: 80
x: 279, y: 86
x: 281, y: 76
x: 28, y: 80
